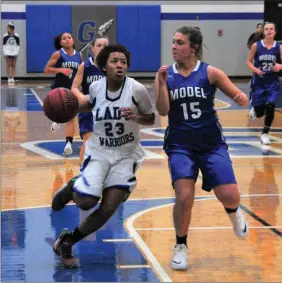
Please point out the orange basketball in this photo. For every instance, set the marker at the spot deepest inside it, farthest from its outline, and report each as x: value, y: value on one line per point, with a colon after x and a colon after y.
x: 60, y: 105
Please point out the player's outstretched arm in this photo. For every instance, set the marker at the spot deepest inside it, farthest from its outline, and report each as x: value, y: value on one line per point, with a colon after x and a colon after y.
x: 220, y: 79
x: 84, y: 104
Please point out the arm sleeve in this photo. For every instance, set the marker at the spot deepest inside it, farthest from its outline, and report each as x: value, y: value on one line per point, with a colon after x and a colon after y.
x: 17, y: 39
x: 142, y: 99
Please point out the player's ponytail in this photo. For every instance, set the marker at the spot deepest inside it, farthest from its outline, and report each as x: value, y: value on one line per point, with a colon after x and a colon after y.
x: 57, y: 41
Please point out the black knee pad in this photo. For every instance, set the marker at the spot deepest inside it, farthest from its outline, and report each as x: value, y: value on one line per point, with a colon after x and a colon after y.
x: 269, y: 110
x: 260, y: 110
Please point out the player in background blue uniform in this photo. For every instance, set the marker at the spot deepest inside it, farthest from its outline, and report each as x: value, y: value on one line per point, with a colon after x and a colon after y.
x: 87, y: 73
x: 194, y: 140
x: 264, y: 60
x: 64, y: 64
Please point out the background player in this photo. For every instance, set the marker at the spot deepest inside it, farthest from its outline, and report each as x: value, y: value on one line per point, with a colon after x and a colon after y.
x: 255, y: 36
x: 64, y: 64
x: 194, y: 140
x: 87, y: 73
x: 264, y: 60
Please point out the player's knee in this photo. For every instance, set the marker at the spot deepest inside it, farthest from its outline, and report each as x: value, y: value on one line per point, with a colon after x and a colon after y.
x: 260, y: 110
x: 228, y: 195
x: 84, y: 202
x: 185, y: 198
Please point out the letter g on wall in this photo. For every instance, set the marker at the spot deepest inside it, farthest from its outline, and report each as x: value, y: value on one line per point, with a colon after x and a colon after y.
x: 86, y: 31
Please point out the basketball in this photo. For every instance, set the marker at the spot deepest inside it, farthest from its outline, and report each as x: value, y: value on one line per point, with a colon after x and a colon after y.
x: 60, y: 105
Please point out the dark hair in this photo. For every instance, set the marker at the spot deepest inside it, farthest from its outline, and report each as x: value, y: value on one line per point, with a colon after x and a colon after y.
x: 98, y: 36
x: 259, y: 24
x: 104, y: 54
x: 195, y: 37
x: 57, y: 41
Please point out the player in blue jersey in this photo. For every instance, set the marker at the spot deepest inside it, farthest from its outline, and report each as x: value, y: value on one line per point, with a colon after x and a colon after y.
x: 194, y: 140
x: 87, y: 73
x: 64, y: 64
x: 264, y: 60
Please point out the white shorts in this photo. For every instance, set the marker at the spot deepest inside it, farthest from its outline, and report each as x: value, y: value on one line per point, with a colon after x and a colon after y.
x: 99, y: 175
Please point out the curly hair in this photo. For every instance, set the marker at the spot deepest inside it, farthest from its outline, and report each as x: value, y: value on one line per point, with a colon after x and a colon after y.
x: 104, y: 54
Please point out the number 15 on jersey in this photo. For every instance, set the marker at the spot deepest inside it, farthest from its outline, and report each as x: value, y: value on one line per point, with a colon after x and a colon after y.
x: 192, y: 107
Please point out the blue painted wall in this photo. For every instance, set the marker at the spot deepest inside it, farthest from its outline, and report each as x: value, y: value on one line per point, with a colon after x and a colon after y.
x: 43, y: 23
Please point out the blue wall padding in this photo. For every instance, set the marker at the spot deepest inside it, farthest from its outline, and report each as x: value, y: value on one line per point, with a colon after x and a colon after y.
x: 43, y: 23
x: 139, y: 29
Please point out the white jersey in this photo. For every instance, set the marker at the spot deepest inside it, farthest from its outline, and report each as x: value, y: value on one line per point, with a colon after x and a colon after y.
x: 114, y: 137
x: 11, y: 44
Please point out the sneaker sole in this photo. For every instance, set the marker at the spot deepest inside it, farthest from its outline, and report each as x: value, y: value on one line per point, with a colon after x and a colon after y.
x: 73, y: 264
x: 68, y: 151
x: 177, y: 267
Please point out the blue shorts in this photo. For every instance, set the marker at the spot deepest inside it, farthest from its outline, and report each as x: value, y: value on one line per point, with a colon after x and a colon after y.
x: 204, y: 149
x: 85, y: 121
x: 261, y: 96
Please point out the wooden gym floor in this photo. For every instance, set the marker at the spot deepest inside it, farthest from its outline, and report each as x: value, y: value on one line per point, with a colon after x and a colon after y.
x: 136, y: 244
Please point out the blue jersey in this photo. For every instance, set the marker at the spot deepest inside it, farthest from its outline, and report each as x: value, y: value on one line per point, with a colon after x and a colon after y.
x: 265, y: 59
x: 191, y: 99
x: 66, y: 61
x: 91, y: 74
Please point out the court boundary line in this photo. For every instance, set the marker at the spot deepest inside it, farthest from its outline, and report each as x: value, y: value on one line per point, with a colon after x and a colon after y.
x: 36, y: 96
x: 32, y: 146
x: 139, y: 199
x: 227, y: 105
x: 129, y: 225
x: 141, y: 245
x: 205, y: 228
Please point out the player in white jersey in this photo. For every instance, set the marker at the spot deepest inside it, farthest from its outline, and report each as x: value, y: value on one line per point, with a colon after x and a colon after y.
x: 113, y: 153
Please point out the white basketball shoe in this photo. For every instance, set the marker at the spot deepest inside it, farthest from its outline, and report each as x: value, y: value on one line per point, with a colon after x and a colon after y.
x: 240, y: 224
x: 180, y: 257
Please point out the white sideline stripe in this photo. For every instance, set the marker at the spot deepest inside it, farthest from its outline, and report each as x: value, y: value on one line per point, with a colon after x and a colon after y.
x: 226, y: 104
x: 142, y: 245
x: 206, y: 228
x: 217, y: 7
x: 37, y: 97
x: 117, y: 240
x: 32, y: 146
x: 133, y: 266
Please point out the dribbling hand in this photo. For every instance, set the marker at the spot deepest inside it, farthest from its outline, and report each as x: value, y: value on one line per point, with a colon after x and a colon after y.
x: 162, y: 75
